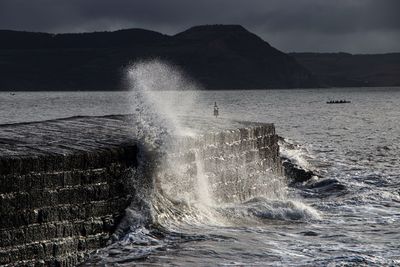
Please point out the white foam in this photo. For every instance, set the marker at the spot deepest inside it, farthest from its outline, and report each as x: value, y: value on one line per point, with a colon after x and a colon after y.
x: 180, y: 196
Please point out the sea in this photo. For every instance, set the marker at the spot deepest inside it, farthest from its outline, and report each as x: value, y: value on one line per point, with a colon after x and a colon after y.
x: 351, y: 220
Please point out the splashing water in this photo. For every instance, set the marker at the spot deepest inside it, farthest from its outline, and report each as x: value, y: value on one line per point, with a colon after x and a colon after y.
x: 197, y: 185
x: 203, y: 187
x: 147, y: 79
x: 179, y: 186
x: 192, y: 188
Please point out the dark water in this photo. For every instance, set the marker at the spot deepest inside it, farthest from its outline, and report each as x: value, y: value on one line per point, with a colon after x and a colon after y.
x: 353, y: 221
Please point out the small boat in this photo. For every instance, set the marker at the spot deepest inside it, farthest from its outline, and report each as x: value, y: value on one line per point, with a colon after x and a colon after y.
x: 338, y: 102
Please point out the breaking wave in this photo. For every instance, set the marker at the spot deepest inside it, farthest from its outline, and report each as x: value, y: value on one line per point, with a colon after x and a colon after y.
x: 178, y: 188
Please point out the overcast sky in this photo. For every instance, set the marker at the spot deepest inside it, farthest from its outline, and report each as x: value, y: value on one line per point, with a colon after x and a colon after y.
x: 356, y: 26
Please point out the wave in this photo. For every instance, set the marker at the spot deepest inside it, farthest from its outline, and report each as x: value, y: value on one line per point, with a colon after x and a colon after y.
x: 194, y: 185
x: 264, y: 210
x: 296, y: 153
x: 185, y: 186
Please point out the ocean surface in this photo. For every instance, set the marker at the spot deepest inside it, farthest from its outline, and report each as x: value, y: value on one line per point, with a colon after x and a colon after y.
x: 353, y: 220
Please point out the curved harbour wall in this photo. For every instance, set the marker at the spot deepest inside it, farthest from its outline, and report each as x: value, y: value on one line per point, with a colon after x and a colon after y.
x: 65, y: 184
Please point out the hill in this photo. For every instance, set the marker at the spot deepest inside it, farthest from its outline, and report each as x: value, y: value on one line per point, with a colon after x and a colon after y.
x: 217, y: 56
x: 343, y: 69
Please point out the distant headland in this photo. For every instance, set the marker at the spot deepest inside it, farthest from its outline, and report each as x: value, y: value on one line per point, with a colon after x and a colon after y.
x: 217, y: 56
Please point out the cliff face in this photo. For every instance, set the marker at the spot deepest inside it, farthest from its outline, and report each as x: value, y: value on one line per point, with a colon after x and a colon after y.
x: 343, y: 69
x: 232, y: 57
x: 218, y: 56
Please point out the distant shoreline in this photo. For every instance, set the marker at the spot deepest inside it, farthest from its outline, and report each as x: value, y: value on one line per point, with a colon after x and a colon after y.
x: 246, y: 89
x: 214, y: 56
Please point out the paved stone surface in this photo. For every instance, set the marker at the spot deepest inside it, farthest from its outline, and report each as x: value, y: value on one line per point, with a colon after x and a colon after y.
x: 64, y: 136
x: 63, y: 144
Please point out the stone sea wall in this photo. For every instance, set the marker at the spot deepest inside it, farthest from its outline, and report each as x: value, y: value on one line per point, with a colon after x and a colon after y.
x: 56, y: 211
x: 237, y: 162
x: 64, y: 184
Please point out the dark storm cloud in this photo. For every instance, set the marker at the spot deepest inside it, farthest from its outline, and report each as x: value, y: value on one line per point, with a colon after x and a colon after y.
x: 291, y: 25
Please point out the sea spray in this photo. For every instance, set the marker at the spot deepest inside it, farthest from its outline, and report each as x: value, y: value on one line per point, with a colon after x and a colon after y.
x: 191, y: 186
x: 203, y: 186
x: 148, y: 79
x: 177, y: 197
x: 188, y: 183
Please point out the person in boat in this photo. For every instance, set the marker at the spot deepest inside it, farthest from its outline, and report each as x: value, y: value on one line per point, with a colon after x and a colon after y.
x: 216, y: 110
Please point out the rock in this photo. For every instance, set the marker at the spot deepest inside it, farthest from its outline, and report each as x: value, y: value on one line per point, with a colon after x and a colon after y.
x: 295, y: 173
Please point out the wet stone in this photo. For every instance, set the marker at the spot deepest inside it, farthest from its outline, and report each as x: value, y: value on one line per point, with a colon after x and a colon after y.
x: 64, y: 186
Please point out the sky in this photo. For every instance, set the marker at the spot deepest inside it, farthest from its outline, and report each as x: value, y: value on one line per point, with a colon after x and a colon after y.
x: 354, y: 26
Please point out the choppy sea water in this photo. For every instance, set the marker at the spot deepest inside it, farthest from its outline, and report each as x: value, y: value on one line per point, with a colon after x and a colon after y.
x: 357, y: 144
